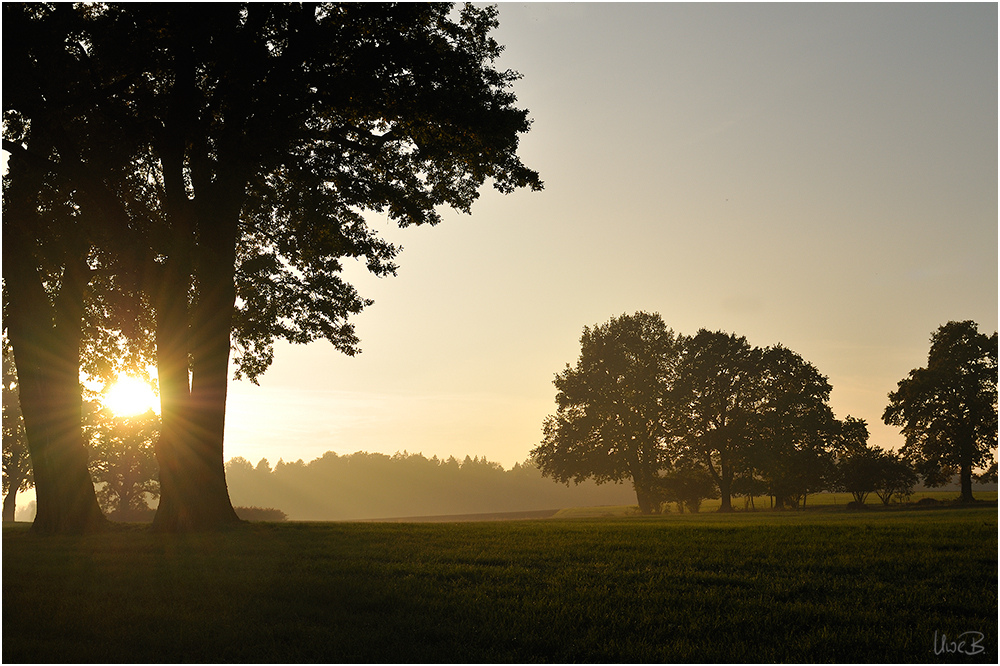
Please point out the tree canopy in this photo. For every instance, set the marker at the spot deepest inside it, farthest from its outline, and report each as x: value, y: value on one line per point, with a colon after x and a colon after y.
x: 947, y: 411
x: 611, y: 423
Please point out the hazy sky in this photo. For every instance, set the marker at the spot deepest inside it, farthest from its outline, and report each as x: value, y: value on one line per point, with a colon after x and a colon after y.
x: 823, y: 176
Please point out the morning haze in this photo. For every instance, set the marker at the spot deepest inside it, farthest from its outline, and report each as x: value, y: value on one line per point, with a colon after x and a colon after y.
x: 820, y: 176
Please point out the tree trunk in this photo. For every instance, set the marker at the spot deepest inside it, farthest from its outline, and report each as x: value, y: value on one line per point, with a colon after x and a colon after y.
x: 965, y: 471
x: 9, y: 501
x: 645, y: 494
x: 647, y: 504
x: 46, y: 343
x: 725, y: 480
x: 45, y: 337
x: 193, y: 491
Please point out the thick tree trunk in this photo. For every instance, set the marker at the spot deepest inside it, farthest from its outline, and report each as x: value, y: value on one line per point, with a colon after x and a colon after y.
x: 965, y: 475
x: 193, y: 491
x: 647, y: 503
x: 643, y: 483
x: 727, y: 498
x: 46, y: 338
x: 725, y: 480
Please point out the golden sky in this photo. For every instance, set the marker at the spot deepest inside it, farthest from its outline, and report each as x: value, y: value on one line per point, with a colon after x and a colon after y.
x: 823, y: 176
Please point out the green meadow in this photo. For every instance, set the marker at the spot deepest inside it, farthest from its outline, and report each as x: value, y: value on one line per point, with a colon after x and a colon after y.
x: 797, y: 586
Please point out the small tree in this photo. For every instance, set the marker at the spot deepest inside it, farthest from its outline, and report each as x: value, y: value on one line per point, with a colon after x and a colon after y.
x: 688, y: 486
x: 896, y: 478
x: 859, y: 472
x: 122, y: 462
x: 749, y: 485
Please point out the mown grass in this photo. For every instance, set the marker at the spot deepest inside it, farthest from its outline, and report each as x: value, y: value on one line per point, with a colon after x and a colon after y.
x: 755, y: 587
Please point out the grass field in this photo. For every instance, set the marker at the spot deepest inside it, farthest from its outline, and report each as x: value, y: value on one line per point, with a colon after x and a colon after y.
x: 824, y: 586
x: 819, y: 501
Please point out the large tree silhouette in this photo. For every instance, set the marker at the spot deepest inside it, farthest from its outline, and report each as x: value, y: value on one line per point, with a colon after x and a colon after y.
x: 612, y: 422
x: 745, y: 412
x: 720, y: 399
x: 260, y: 134
x: 796, y: 429
x: 948, y: 410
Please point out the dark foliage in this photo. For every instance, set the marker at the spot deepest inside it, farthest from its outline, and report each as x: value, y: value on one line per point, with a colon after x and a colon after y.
x: 611, y: 423
x: 642, y: 402
x: 211, y: 169
x: 948, y: 410
x: 257, y: 514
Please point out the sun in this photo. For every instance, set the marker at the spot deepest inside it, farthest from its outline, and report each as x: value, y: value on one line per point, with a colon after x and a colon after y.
x: 130, y: 396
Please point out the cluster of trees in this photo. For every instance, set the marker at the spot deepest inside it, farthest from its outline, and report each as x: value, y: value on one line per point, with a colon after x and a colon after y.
x: 685, y: 418
x: 374, y: 485
x: 183, y: 186
x: 870, y: 470
x: 122, y: 460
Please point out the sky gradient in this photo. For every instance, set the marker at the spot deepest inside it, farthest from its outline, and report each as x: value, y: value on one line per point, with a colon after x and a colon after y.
x: 820, y: 176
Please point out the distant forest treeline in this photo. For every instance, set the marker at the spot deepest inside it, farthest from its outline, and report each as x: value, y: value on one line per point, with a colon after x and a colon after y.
x: 374, y: 485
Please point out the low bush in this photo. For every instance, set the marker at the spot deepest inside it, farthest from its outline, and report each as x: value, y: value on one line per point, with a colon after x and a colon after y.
x: 257, y: 514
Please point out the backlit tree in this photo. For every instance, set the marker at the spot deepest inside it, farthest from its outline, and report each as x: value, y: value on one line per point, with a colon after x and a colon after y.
x: 612, y: 420
x: 259, y: 134
x: 948, y: 410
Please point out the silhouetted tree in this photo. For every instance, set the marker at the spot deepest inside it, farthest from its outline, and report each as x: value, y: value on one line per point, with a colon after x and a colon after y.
x: 797, y: 429
x: 720, y: 398
x: 687, y: 486
x: 860, y: 472
x: 259, y: 134
x: 43, y: 318
x: 58, y: 265
x: 17, y: 475
x: 748, y: 484
x: 948, y: 410
x: 122, y: 461
x: 612, y: 420
x: 896, y: 478
x: 852, y: 434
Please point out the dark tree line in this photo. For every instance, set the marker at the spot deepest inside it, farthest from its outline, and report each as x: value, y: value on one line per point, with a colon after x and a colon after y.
x: 185, y: 183
x: 686, y: 418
